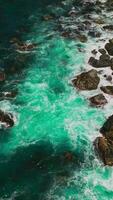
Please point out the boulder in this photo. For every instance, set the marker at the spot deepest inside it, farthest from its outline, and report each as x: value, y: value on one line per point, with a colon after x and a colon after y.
x: 109, y: 47
x: 108, y: 27
x: 104, y: 144
x: 6, y: 119
x: 104, y: 61
x: 107, y: 127
x: 98, y: 100
x: 104, y: 150
x: 102, y: 51
x: 107, y: 89
x: 8, y: 95
x: 94, y: 51
x: 93, y: 61
x: 87, y: 80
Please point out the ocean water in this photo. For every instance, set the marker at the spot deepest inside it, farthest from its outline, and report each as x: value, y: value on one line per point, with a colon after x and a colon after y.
x: 53, y: 119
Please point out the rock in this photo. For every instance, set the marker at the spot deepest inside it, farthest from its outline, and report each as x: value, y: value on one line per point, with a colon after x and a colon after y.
x: 87, y: 80
x: 98, y: 100
x: 108, y: 27
x: 47, y: 17
x: 94, y: 34
x: 107, y: 89
x: 112, y: 63
x: 102, y: 51
x: 105, y: 150
x: 6, y: 119
x: 99, y: 21
x: 65, y: 34
x: 104, y: 144
x: 109, y: 78
x: 104, y: 61
x: 82, y: 38
x: 94, y: 51
x: 26, y: 47
x: 8, y: 95
x: 108, y: 128
x: 2, y: 76
x: 93, y: 61
x: 109, y: 47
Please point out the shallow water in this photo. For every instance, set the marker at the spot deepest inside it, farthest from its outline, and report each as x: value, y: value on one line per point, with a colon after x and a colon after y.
x: 52, y: 117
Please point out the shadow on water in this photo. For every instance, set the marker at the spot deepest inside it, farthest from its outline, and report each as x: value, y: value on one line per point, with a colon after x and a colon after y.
x: 31, y: 169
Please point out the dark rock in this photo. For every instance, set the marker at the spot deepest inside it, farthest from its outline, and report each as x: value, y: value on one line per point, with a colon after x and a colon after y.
x: 107, y: 127
x: 109, y: 48
x: 104, y: 61
x: 2, y: 76
x: 66, y: 34
x: 108, y: 27
x: 47, y: 17
x: 82, y: 38
x: 102, y: 51
x: 6, y: 119
x: 98, y: 100
x: 112, y: 63
x: 94, y: 62
x: 94, y: 51
x: 105, y: 150
x: 99, y: 21
x: 94, y: 34
x: 109, y: 78
x: 26, y: 47
x: 107, y: 89
x: 8, y: 95
x: 104, y: 144
x: 87, y: 80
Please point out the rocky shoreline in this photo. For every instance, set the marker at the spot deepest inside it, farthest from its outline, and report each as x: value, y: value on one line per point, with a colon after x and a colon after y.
x: 90, y: 80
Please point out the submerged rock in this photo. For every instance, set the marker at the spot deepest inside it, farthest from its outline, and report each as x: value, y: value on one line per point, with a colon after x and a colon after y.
x: 6, y: 119
x: 98, y: 100
x: 107, y: 89
x: 87, y: 80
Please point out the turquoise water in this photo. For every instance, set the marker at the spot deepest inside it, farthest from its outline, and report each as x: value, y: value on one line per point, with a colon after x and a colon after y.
x: 52, y: 119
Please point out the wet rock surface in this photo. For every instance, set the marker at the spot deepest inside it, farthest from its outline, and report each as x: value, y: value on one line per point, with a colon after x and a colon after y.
x: 98, y: 100
x: 104, y: 61
x: 104, y: 144
x: 87, y: 80
x: 6, y: 119
x: 109, y: 47
x: 107, y: 89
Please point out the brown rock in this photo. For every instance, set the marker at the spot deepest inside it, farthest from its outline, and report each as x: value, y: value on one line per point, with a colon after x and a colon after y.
x: 102, y: 51
x: 98, y: 100
x: 87, y: 80
x: 107, y: 89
